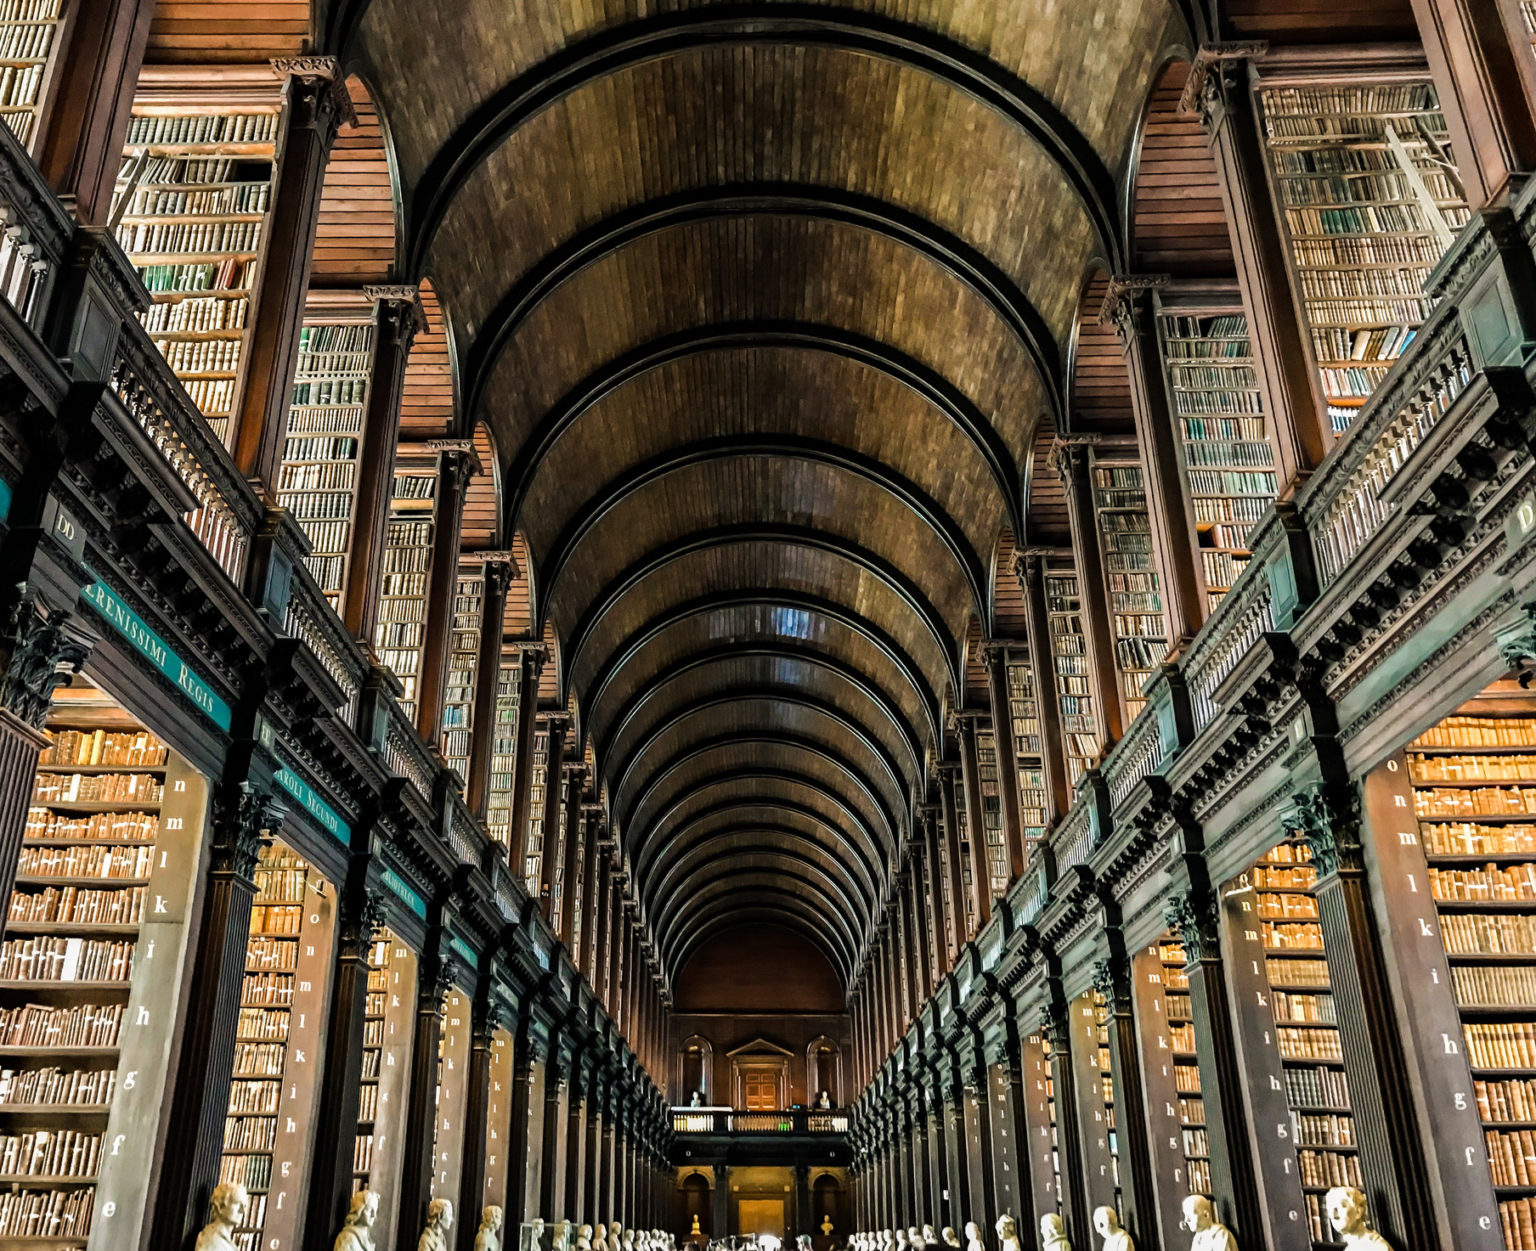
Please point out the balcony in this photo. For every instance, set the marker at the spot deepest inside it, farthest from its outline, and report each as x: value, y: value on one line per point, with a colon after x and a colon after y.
x: 731, y: 1121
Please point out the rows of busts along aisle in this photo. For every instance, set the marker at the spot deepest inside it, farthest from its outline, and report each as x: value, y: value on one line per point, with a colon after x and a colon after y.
x: 230, y: 1201
x: 1345, y: 1206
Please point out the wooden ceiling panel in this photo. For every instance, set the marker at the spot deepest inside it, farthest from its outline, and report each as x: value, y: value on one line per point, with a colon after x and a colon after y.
x: 355, y: 234
x: 1321, y: 21
x: 226, y: 32
x: 1101, y: 381
x: 1045, y: 496
x: 482, y: 499
x: 427, y: 402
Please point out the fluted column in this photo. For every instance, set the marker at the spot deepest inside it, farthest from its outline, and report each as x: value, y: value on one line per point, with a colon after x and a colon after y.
x: 493, y: 611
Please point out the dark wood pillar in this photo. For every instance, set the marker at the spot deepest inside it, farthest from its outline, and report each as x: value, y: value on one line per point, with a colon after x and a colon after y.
x: 922, y: 966
x: 995, y: 657
x: 477, y: 1105
x: 199, y: 1098
x: 1170, y: 510
x: 399, y: 317
x: 574, y: 845
x: 1074, y: 464
x: 1029, y: 568
x: 454, y: 467
x: 524, y: 1058
x: 1480, y: 57
x: 721, y: 1215
x: 607, y: 1193
x: 532, y: 661
x: 493, y: 611
x: 421, y: 1106
x: 962, y: 1204
x: 935, y: 931
x: 1138, y: 1211
x: 552, y: 1164
x: 83, y: 123
x: 959, y: 931
x: 338, y: 1089
x: 1054, y: 1025
x: 943, y: 1211
x: 555, y: 723
x: 315, y: 105
x: 978, y: 1139
x: 598, y: 918
x: 1038, y: 1159
x: 975, y: 820
x: 577, y: 1155
x: 1287, y: 373
x: 593, y: 1206
x: 592, y: 816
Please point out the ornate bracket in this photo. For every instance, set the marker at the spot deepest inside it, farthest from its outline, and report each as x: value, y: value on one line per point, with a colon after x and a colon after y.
x: 44, y: 653
x: 1328, y: 817
x: 240, y: 822
x: 1517, y: 645
x: 1192, y: 918
x: 317, y: 94
x: 1212, y: 74
x: 1126, y: 292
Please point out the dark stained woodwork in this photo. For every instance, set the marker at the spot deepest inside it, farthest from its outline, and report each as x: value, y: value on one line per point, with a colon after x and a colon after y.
x: 1073, y: 462
x: 532, y: 661
x: 575, y: 782
x: 555, y: 724
x: 975, y: 826
x: 995, y: 657
x: 453, y: 472
x: 1030, y: 573
x: 421, y: 1095
x: 498, y: 577
x: 951, y: 796
x: 355, y: 233
x: 477, y: 1099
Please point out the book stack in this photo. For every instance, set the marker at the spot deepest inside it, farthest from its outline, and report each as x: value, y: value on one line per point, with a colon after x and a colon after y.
x: 318, y: 479
x: 1107, y: 1086
x: 1227, y: 455
x: 373, y: 1044
x: 1181, y: 1042
x: 28, y: 37
x: 1069, y: 656
x: 1363, y: 172
x: 1130, y: 568
x: 463, y: 657
x: 1020, y: 676
x: 498, y: 812
x: 999, y: 866
x: 538, y: 794
x: 193, y: 192
x: 400, y: 631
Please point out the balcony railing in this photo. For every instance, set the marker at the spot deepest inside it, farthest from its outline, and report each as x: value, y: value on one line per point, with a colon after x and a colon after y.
x: 732, y: 1121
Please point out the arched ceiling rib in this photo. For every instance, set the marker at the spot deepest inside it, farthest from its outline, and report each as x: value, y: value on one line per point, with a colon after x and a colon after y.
x: 766, y: 305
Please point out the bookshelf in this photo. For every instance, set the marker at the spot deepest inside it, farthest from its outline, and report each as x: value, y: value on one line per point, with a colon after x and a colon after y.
x: 1069, y: 655
x: 1306, y: 1036
x: 1228, y: 460
x: 29, y: 36
x: 390, y: 1019
x: 1179, y: 1030
x: 373, y: 1055
x: 967, y: 862
x: 498, y: 812
x: 998, y: 863
x: 401, y: 628
x: 89, y: 973
x: 452, y: 1077
x: 1094, y: 1099
x: 192, y: 198
x: 1020, y: 676
x: 534, y: 863
x: 318, y: 479
x: 281, y: 994
x: 1474, y: 797
x: 1135, y: 594
x: 463, y: 655
x: 1370, y: 203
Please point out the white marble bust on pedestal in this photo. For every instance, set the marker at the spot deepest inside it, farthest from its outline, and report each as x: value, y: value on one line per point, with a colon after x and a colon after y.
x: 227, y: 1207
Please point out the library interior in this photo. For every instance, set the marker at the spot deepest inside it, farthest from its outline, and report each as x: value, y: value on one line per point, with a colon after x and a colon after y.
x: 888, y: 625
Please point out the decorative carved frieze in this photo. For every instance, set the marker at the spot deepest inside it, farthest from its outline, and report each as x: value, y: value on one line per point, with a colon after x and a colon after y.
x: 44, y: 652
x: 1328, y: 817
x: 242, y: 819
x: 1212, y: 74
x: 1192, y: 916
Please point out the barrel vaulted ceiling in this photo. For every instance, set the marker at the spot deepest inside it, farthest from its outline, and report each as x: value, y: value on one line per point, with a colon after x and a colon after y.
x: 767, y: 306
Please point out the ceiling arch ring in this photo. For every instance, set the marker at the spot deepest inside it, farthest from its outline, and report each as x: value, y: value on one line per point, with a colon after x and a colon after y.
x: 922, y: 380
x: 653, y: 856
x: 833, y: 204
x: 623, y: 812
x: 679, y: 848
x: 724, y: 913
x: 678, y: 614
x: 776, y: 651
x: 775, y: 447
x: 736, y: 698
x: 780, y: 23
x: 792, y: 536
x: 819, y: 910
x: 636, y: 848
x: 740, y: 842
x: 795, y: 869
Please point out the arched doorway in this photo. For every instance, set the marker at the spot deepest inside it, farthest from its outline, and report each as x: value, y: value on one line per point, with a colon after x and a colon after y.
x: 694, y: 1210
x: 827, y: 1224
x: 823, y: 1071
x: 696, y: 1059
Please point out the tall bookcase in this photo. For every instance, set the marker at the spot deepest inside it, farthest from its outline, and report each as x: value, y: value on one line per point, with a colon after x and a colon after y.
x: 1180, y: 1025
x: 498, y: 815
x: 452, y: 1086
x: 373, y: 1054
x: 192, y: 200
x: 998, y: 864
x: 318, y: 479
x: 1069, y: 656
x: 29, y: 31
x: 89, y: 974
x: 401, y: 629
x: 1130, y: 568
x: 1474, y: 795
x: 537, y: 794
x: 1026, y: 743
x: 1370, y: 203
x: 463, y: 655
x: 1228, y: 460
x: 265, y: 1131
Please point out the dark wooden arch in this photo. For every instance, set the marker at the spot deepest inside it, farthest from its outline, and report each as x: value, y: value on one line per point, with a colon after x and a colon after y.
x: 813, y: 907
x: 790, y: 911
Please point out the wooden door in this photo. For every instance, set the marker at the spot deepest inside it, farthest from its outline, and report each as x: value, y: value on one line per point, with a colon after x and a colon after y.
x: 760, y: 1090
x: 761, y: 1216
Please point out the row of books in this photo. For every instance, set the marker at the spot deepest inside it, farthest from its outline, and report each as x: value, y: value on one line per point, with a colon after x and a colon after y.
x: 1494, y: 986
x: 168, y: 199
x: 1510, y: 1099
x: 1360, y: 219
x: 1239, y: 510
x: 181, y: 169
x: 276, y: 919
x: 1288, y: 904
x: 50, y: 1153
x: 37, y: 1025
x: 102, y: 747
x: 1347, y: 284
x: 324, y: 419
x: 1289, y: 936
x: 250, y: 1133
x: 22, y: 42
x: 1466, y: 838
x: 202, y: 128
x: 62, y: 1087
x: 1500, y: 1044
x: 1488, y: 884
x: 1237, y: 455
x: 1369, y: 250
x: 1379, y: 343
x: 192, y: 315
x: 46, y: 1213
x: 1232, y: 482
x: 268, y: 990
x: 1308, y: 1044
x: 1194, y: 397
x: 121, y: 827
x: 1356, y: 382
x: 1316, y: 1088
x: 264, y: 952
x: 1481, y: 934
x: 1221, y: 568
x: 29, y: 10
x: 55, y: 959
x: 1487, y: 801
x: 1517, y: 1220
x: 1323, y: 1169
x: 152, y: 237
x: 78, y: 905
x: 191, y: 276
x: 258, y: 1059
x: 1297, y: 972
x: 1292, y: 1007
x: 332, y: 392
x: 1464, y: 731
x: 1511, y: 1156
x: 254, y: 1172
x: 96, y: 787
x: 201, y: 356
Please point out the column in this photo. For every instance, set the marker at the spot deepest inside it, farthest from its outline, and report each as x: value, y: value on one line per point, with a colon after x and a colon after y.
x: 722, y: 1205
x: 1286, y: 373
x: 803, y: 1224
x: 454, y: 467
x: 315, y: 105
x: 477, y: 1103
x: 608, y: 1192
x: 594, y: 1208
x: 199, y: 1098
x: 577, y: 1149
x: 493, y: 611
x: 421, y: 1107
x: 923, y: 1195
x: 975, y: 821
x: 532, y: 661
x: 1029, y: 568
x: 341, y: 1059
x: 943, y: 1211
x: 1009, y: 1108
x: 920, y: 965
x: 1480, y: 57
x: 956, y: 1173
x: 596, y: 922
x: 1169, y: 508
x: 978, y: 1144
x: 519, y: 1152
x: 575, y: 829
x: 398, y: 319
x: 995, y: 657
x: 556, y: 1113
x: 1112, y: 979
x: 955, y: 913
x: 1073, y: 463
x: 556, y: 724
x: 1069, y: 1139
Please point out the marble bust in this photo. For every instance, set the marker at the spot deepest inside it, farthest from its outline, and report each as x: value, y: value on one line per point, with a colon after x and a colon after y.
x: 488, y: 1236
x: 357, y: 1230
x: 1209, y: 1233
x: 1053, y: 1234
x: 973, y: 1240
x: 439, y: 1221
x: 1007, y: 1233
x: 950, y: 1237
x: 1106, y: 1223
x: 227, y: 1207
x: 1347, y: 1214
